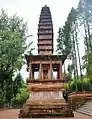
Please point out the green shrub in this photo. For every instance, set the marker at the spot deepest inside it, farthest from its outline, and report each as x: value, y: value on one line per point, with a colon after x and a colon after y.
x: 71, y: 85
x: 21, y: 96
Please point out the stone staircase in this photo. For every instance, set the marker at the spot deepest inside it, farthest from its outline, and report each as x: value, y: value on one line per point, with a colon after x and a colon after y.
x: 86, y: 108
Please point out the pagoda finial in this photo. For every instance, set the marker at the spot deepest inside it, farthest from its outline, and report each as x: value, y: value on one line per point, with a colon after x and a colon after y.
x: 45, y: 5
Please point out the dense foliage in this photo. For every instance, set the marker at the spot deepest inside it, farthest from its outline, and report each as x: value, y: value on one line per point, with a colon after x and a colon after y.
x: 68, y: 44
x: 87, y: 86
x: 13, y: 37
x: 21, y: 96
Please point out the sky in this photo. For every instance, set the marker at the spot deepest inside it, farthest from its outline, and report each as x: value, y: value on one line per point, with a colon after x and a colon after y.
x: 30, y: 10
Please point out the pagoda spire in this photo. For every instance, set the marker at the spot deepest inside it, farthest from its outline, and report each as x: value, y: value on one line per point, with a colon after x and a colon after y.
x: 45, y: 32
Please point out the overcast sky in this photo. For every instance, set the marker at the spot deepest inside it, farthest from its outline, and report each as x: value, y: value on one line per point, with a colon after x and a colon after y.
x: 30, y: 11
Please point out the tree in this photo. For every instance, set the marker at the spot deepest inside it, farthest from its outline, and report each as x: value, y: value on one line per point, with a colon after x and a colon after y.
x: 13, y: 36
x: 70, y: 70
x: 17, y: 84
x: 60, y: 41
x: 21, y: 96
x: 85, y: 16
x: 68, y: 41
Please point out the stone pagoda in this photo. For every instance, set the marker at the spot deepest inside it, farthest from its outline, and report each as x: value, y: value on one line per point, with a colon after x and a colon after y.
x: 45, y: 82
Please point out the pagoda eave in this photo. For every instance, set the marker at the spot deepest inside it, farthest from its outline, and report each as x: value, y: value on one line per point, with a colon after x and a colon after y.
x: 45, y: 57
x: 46, y: 81
x: 46, y: 89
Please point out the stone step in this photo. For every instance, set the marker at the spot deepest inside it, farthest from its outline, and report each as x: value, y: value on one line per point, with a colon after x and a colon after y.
x: 86, y: 108
x: 47, y: 115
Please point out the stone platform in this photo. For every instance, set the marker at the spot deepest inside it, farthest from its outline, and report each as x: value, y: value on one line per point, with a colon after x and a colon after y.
x: 46, y: 108
x: 13, y: 114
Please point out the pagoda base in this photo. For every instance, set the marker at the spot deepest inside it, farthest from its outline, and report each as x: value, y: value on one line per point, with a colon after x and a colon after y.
x: 45, y: 109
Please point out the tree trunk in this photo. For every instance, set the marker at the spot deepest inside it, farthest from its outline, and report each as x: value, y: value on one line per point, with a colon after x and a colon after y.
x: 75, y: 58
x: 76, y: 39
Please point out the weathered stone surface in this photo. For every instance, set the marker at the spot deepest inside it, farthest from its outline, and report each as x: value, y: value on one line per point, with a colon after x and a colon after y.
x: 46, y: 108
x: 86, y: 108
x: 46, y: 86
x: 76, y: 99
x: 13, y: 114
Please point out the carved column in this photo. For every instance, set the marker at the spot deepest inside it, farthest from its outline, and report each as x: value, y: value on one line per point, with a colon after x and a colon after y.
x: 50, y: 70
x: 58, y: 76
x: 30, y: 72
x: 60, y: 71
x: 40, y: 71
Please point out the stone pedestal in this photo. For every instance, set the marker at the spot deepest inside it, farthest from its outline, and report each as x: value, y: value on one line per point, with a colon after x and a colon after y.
x: 46, y: 100
x: 46, y: 108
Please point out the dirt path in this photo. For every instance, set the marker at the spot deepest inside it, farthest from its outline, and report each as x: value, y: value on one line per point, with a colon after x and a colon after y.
x: 13, y: 114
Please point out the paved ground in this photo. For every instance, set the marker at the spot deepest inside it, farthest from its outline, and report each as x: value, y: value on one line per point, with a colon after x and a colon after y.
x: 13, y: 114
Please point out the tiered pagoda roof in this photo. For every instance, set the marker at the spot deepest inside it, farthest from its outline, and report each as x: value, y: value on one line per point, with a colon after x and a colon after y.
x: 45, y: 32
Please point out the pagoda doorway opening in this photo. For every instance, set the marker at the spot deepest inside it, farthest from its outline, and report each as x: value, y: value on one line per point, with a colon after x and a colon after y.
x: 35, y: 71
x: 56, y: 69
x: 36, y: 75
x: 45, y: 68
x: 54, y: 75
